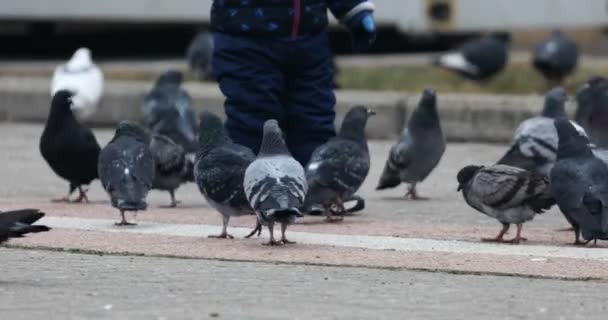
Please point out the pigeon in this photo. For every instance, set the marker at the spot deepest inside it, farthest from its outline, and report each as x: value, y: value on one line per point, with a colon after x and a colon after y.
x: 168, y: 111
x: 579, y: 182
x: 126, y: 169
x: 510, y: 195
x: 338, y: 168
x: 555, y: 58
x: 69, y: 148
x: 81, y: 76
x: 592, y: 111
x: 220, y: 172
x: 173, y: 167
x: 478, y: 59
x: 275, y: 183
x: 199, y: 55
x: 418, y: 150
x: 17, y: 223
x: 534, y: 145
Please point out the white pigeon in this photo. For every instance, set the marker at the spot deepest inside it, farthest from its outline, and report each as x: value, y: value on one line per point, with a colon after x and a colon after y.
x: 81, y: 76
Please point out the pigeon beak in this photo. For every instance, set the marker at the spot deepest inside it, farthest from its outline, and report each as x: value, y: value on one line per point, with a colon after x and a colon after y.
x: 370, y: 112
x: 459, y: 188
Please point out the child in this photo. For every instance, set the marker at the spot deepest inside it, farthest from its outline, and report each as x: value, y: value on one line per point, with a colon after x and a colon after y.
x: 272, y: 60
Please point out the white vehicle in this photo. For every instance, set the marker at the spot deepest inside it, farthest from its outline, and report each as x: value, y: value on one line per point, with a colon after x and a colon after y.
x: 409, y: 16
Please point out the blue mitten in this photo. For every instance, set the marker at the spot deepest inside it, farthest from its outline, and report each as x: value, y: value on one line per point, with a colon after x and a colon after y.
x: 363, y: 30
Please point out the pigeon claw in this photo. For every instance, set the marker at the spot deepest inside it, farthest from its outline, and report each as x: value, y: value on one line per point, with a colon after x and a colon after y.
x: 125, y: 223
x: 496, y: 239
x: 222, y: 236
x: 273, y: 243
x: 334, y: 219
x: 285, y: 241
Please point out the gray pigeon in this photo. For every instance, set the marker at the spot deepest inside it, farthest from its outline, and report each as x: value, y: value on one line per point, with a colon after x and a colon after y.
x: 592, y: 110
x: 126, y: 169
x: 168, y: 111
x: 579, y: 182
x: 199, y: 55
x: 419, y: 149
x: 478, y: 59
x: 173, y: 168
x: 275, y: 183
x: 337, y: 168
x: 18, y: 223
x: 555, y: 58
x: 534, y: 144
x: 510, y: 195
x: 220, y: 171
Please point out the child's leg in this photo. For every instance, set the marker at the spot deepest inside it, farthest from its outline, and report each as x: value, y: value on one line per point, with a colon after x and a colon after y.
x: 249, y: 75
x: 310, y: 98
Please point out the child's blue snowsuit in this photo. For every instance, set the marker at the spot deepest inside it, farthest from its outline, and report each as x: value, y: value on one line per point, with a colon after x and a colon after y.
x: 272, y: 60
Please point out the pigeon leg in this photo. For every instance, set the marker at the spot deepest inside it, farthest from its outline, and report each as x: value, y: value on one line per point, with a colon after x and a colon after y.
x: 66, y: 198
x: 82, y: 195
x: 123, y: 221
x: 283, y: 238
x: 498, y: 238
x: 258, y: 229
x: 339, y: 212
x: 272, y: 242
x: 224, y: 234
x: 174, y: 202
x: 518, y: 236
x: 412, y: 194
x: 577, y: 238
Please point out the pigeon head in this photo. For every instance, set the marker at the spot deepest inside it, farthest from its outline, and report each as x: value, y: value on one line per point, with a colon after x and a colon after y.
x: 133, y: 130
x: 81, y: 59
x: 426, y: 114
x: 555, y: 103
x: 353, y: 125
x: 571, y: 142
x: 61, y: 104
x: 170, y: 77
x: 212, y: 131
x: 272, y: 140
x: 466, y: 174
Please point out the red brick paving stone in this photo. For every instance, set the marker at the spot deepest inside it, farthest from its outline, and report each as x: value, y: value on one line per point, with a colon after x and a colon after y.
x: 359, y: 225
x: 252, y: 250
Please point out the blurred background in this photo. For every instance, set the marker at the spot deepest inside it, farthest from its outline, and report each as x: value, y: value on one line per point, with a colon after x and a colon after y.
x: 410, y: 32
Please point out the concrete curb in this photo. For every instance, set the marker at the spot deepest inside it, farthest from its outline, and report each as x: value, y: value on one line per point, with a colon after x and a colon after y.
x: 465, y: 117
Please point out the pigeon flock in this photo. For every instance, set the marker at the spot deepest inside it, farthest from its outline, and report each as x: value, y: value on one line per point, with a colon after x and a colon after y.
x: 551, y: 160
x: 481, y: 59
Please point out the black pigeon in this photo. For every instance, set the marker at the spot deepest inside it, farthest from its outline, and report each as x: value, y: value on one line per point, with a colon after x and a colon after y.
x: 18, y: 223
x: 173, y: 167
x: 220, y: 172
x: 126, y: 169
x: 579, y: 182
x: 508, y: 194
x: 338, y: 168
x: 168, y: 111
x: 555, y: 58
x: 199, y: 55
x: 69, y: 148
x: 592, y: 111
x: 275, y: 183
x: 419, y: 149
x: 534, y: 145
x: 478, y: 59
